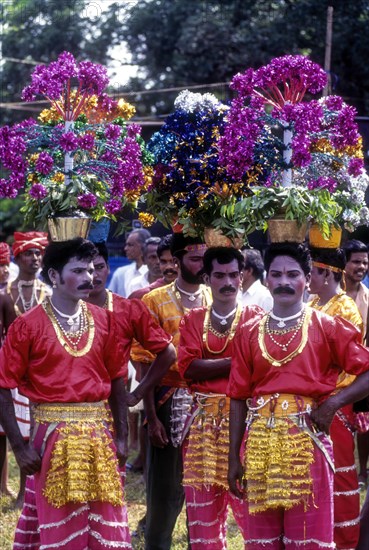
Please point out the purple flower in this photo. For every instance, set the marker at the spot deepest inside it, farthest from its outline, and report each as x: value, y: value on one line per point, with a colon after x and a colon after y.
x: 323, y: 183
x: 44, y: 163
x: 38, y: 191
x: 113, y: 131
x: 86, y: 142
x: 113, y: 206
x: 334, y: 102
x: 93, y: 77
x: 87, y: 201
x: 68, y: 142
x: 7, y: 190
x: 356, y: 166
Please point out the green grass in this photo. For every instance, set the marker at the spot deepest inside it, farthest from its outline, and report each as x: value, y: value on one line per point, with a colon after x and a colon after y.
x: 135, y: 499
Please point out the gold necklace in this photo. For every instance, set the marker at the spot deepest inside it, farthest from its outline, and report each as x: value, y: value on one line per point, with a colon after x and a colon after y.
x: 64, y: 340
x: 279, y: 362
x: 294, y: 331
x: 325, y: 307
x: 108, y: 304
x: 231, y: 332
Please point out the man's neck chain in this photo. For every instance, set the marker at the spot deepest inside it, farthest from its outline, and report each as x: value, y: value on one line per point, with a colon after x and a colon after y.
x: 223, y: 318
x: 191, y: 295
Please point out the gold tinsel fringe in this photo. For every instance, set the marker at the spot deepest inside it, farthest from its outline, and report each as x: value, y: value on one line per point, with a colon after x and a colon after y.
x: 83, y: 467
x: 206, y: 459
x: 277, y: 465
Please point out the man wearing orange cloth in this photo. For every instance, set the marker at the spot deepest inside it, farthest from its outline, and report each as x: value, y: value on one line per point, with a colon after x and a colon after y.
x: 26, y: 292
x: 326, y: 276
x: 166, y: 407
x: 204, y: 360
x: 68, y: 358
x: 282, y: 366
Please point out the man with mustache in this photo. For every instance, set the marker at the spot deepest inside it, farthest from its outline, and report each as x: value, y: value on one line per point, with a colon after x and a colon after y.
x: 204, y: 360
x: 283, y: 366
x: 166, y: 406
x: 132, y: 321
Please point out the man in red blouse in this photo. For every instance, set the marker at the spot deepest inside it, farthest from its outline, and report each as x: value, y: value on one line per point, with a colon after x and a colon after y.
x: 204, y: 360
x: 68, y: 357
x: 282, y: 366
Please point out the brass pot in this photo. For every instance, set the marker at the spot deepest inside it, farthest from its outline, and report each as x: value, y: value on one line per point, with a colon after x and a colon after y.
x: 66, y: 228
x: 214, y: 237
x: 281, y: 230
x: 317, y: 240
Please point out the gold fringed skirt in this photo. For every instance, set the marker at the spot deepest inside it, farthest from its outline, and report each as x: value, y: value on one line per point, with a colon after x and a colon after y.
x: 207, y: 446
x: 83, y: 464
x: 277, y: 465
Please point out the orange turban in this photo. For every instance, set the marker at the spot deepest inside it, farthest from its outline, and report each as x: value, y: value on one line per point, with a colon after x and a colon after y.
x: 4, y: 254
x: 25, y: 241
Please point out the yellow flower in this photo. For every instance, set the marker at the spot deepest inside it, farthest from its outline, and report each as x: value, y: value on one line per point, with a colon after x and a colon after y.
x: 32, y: 178
x: 58, y: 177
x: 125, y: 110
x: 49, y: 115
x: 146, y: 219
x: 33, y: 158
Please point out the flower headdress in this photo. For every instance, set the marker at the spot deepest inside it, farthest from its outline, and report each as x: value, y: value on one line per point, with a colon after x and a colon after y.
x: 189, y: 186
x: 81, y: 154
x: 318, y: 171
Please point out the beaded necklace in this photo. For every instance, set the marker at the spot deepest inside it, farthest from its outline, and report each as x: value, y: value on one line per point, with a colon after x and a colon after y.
x: 230, y: 333
x: 294, y: 331
x: 70, y: 340
x: 304, y: 336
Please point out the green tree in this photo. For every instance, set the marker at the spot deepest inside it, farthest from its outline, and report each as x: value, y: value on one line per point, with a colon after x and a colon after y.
x: 38, y: 31
x: 183, y: 43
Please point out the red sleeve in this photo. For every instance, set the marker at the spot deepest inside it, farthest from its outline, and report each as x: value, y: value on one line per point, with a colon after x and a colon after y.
x: 190, y: 344
x: 345, y: 342
x: 239, y: 385
x: 146, y: 330
x: 14, y: 355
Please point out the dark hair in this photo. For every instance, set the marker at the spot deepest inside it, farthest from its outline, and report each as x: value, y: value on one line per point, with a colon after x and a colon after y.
x: 179, y: 242
x: 224, y: 255
x: 329, y: 256
x: 102, y: 251
x: 254, y: 261
x: 165, y: 244
x: 58, y: 254
x: 297, y: 251
x: 353, y: 246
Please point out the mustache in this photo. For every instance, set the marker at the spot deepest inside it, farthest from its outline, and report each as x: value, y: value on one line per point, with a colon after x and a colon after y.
x: 229, y: 288
x: 86, y: 286
x: 170, y: 272
x: 283, y: 290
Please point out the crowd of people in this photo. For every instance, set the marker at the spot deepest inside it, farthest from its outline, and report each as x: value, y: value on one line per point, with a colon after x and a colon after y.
x: 252, y: 373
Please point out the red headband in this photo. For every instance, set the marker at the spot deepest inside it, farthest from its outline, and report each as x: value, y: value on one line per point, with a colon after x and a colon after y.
x: 4, y: 254
x: 32, y: 239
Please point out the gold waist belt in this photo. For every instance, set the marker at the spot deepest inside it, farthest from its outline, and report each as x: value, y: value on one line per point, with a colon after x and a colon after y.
x: 213, y: 404
x: 279, y: 405
x: 69, y: 412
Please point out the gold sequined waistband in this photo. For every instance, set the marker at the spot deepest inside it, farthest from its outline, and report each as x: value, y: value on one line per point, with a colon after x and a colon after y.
x: 69, y: 412
x: 213, y: 403
x: 280, y: 405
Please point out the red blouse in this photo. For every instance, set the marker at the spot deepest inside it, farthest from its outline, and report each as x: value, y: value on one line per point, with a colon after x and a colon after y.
x: 333, y: 345
x: 192, y: 347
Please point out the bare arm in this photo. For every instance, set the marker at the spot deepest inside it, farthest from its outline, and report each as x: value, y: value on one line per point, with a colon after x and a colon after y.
x: 206, y: 369
x: 28, y: 459
x: 118, y: 406
x: 154, y: 374
x: 237, y: 419
x: 157, y: 433
x: 323, y: 415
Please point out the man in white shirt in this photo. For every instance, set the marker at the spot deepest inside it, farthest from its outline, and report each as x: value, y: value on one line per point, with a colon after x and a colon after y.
x: 134, y: 252
x: 253, y: 291
x: 151, y: 260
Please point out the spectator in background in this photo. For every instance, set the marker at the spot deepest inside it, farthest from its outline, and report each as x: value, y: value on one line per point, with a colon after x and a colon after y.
x: 151, y: 260
x: 134, y: 252
x: 355, y: 270
x: 4, y: 264
x: 253, y: 291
